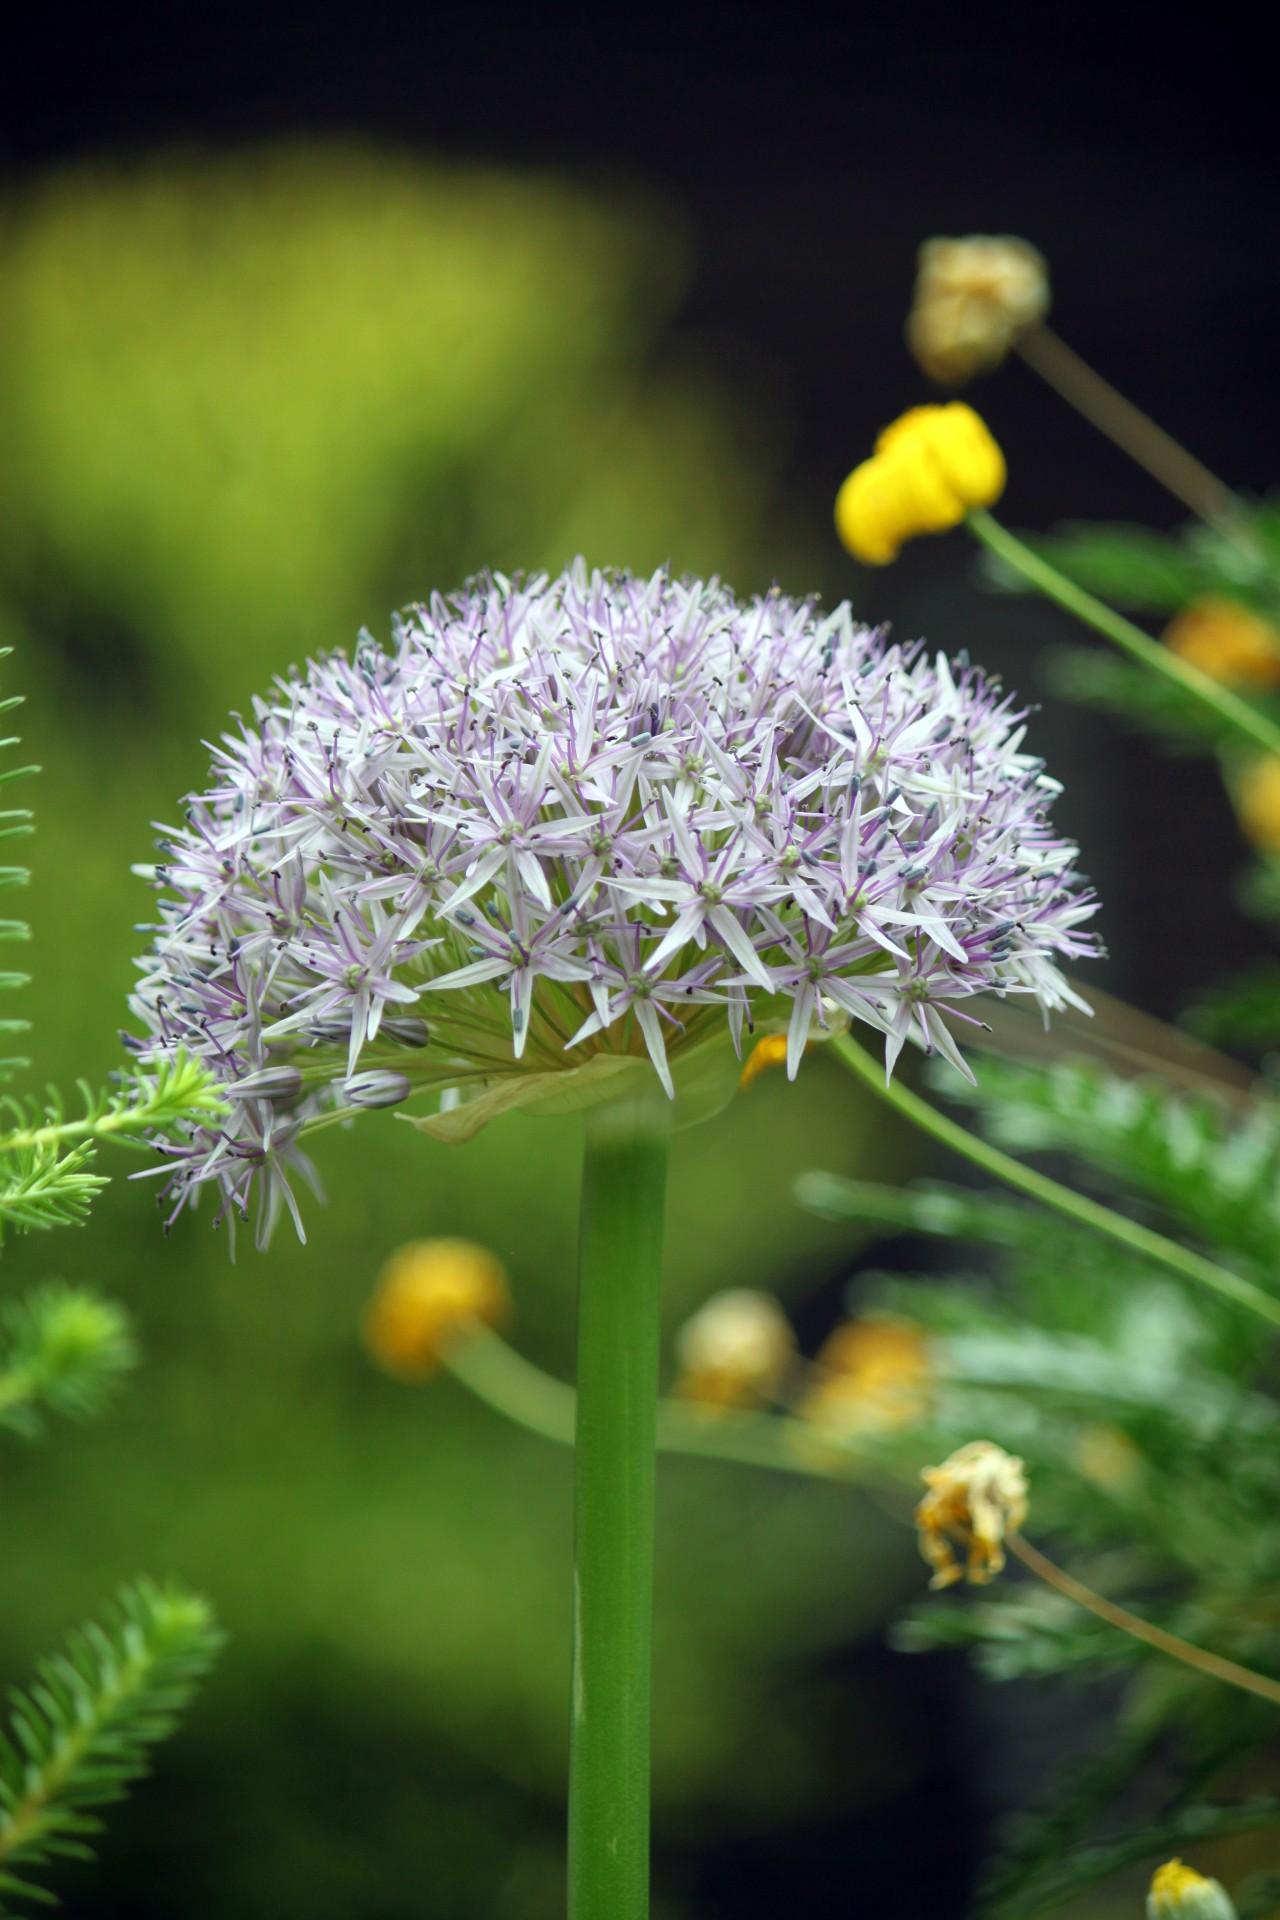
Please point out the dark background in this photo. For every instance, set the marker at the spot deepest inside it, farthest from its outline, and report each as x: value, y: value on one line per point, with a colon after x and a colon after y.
x: 809, y: 153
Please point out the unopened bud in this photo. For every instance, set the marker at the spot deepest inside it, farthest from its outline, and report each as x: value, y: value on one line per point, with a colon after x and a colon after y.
x: 407, y: 1032
x: 279, y: 1085
x: 377, y: 1088
x: 735, y: 1350
x: 1180, y: 1893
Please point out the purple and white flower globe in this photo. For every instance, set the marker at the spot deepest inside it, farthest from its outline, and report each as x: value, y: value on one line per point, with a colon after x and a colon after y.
x: 586, y: 827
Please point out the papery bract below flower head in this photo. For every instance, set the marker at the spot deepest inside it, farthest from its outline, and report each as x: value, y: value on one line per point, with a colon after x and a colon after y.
x: 591, y: 822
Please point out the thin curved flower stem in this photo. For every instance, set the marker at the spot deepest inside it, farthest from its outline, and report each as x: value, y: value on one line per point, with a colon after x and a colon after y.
x: 1211, y: 1664
x: 1187, y: 478
x: 504, y: 1380
x: 1237, y: 713
x: 1127, y: 1233
x: 510, y: 1384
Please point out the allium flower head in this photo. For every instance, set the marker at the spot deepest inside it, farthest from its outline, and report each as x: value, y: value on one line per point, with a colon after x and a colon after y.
x: 567, y: 833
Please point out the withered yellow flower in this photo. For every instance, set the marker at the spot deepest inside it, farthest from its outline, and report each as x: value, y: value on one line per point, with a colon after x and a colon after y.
x: 429, y: 1294
x: 973, y: 298
x: 930, y: 468
x: 1179, y: 1893
x: 1227, y: 641
x: 871, y: 1376
x: 1257, y: 798
x: 975, y: 1498
x: 735, y: 1351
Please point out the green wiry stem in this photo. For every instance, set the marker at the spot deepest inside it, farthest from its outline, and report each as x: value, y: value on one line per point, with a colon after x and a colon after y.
x: 620, y: 1260
x: 1237, y: 713
x: 515, y: 1388
x: 1050, y: 1193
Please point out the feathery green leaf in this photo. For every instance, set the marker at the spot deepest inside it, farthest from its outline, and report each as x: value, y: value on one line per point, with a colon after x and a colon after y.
x: 80, y: 1734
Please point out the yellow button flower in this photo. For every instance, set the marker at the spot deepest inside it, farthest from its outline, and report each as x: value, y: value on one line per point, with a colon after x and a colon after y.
x: 870, y: 1377
x: 769, y: 1052
x: 1179, y: 1893
x: 1257, y: 798
x: 973, y: 298
x: 930, y: 468
x: 1227, y: 641
x: 735, y: 1351
x: 975, y: 1498
x: 429, y: 1294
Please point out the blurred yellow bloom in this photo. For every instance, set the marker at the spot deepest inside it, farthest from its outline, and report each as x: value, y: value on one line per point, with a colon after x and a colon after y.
x: 769, y: 1052
x: 973, y: 298
x: 1179, y: 1893
x: 429, y: 1293
x: 735, y: 1351
x: 1257, y: 798
x: 929, y: 469
x: 975, y: 1498
x: 1227, y: 641
x: 870, y: 1377
x: 1107, y: 1456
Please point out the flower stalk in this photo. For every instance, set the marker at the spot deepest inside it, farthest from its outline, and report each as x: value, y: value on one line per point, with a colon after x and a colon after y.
x: 1148, y: 1245
x: 620, y: 1264
x: 1133, y: 431
x: 1237, y: 713
x: 1211, y: 1664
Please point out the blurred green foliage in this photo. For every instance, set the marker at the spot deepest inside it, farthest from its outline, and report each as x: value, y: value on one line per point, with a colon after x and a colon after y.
x: 1146, y: 1414
x: 1234, y: 564
x: 247, y: 404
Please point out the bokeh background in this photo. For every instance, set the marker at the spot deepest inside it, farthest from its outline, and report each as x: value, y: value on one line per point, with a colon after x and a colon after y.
x: 303, y: 314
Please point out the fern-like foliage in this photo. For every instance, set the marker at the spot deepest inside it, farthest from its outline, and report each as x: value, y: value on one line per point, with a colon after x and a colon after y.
x: 1148, y: 1420
x: 62, y: 1349
x: 1244, y: 1013
x: 1158, y: 573
x: 15, y: 824
x: 46, y: 1158
x: 81, y: 1733
x: 1072, y: 1873
x: 1217, y: 1175
x: 47, y: 1177
x: 1096, y: 677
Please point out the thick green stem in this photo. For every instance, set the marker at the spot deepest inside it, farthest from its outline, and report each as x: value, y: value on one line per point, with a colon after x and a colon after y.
x: 1050, y: 1193
x: 1237, y: 713
x: 620, y: 1258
